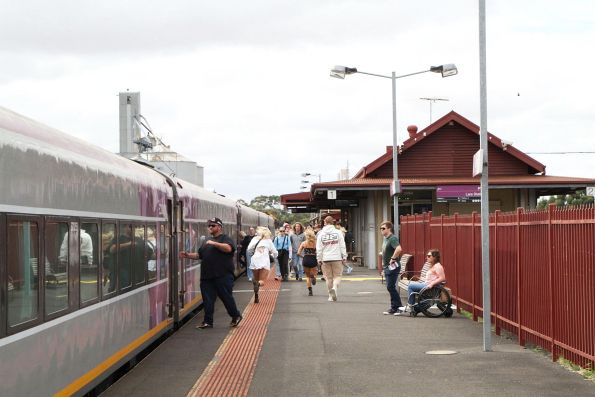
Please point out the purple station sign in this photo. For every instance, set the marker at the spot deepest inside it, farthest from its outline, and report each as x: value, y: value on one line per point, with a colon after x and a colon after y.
x: 458, y: 193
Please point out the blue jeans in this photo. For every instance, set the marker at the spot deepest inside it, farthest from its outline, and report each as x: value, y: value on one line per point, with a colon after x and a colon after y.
x: 414, y: 286
x: 248, y: 270
x: 221, y: 287
x: 391, y: 285
x: 296, y: 262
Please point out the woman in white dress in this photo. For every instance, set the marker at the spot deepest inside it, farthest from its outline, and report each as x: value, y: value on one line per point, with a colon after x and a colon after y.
x: 260, y: 264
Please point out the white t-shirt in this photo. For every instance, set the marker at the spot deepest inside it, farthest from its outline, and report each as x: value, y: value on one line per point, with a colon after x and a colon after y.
x: 261, y: 248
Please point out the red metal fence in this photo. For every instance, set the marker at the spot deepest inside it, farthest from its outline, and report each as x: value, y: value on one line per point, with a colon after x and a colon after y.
x: 542, y: 267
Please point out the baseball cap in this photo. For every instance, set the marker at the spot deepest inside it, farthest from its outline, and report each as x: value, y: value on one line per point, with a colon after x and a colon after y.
x: 215, y: 221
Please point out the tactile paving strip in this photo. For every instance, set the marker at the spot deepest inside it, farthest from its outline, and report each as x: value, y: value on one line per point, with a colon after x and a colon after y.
x: 230, y: 371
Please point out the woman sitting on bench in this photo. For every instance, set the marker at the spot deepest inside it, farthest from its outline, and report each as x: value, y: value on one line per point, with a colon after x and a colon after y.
x: 434, y: 276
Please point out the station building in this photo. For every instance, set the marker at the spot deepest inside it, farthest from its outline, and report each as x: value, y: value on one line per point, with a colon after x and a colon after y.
x: 435, y: 172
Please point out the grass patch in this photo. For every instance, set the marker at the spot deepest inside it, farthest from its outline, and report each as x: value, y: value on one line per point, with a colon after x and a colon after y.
x: 466, y: 314
x: 586, y: 373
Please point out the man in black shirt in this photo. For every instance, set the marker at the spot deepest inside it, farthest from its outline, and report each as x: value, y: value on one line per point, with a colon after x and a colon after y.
x: 216, y: 273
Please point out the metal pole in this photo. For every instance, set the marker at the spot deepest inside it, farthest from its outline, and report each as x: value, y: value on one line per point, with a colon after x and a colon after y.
x: 395, y: 166
x: 485, y: 203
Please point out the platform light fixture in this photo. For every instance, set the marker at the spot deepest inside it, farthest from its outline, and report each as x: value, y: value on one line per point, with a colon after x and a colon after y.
x: 445, y: 70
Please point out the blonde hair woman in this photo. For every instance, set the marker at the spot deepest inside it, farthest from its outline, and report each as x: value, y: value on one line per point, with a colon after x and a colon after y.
x: 260, y: 264
x: 307, y: 251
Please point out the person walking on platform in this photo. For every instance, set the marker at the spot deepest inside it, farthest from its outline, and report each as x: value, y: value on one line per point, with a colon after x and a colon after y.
x: 297, y: 238
x: 248, y: 256
x: 262, y: 249
x: 307, y: 253
x: 216, y: 273
x: 283, y: 246
x: 331, y: 255
x: 391, y: 254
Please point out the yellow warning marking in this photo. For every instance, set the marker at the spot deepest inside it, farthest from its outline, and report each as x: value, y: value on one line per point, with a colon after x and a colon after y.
x: 360, y: 278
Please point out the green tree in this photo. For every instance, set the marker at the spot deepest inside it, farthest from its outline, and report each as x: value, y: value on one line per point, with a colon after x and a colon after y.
x: 272, y: 205
x: 578, y: 198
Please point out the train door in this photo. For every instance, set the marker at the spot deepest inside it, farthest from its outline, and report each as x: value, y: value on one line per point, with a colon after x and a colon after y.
x: 180, y: 263
x: 172, y: 215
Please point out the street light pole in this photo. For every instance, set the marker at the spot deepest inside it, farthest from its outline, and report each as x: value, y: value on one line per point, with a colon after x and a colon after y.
x: 446, y: 70
x: 485, y: 200
x: 396, y: 188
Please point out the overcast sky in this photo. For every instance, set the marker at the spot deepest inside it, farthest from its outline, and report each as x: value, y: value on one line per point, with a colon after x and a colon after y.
x: 243, y: 87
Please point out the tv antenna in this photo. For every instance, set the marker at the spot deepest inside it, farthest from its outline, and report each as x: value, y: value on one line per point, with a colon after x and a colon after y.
x: 432, y: 100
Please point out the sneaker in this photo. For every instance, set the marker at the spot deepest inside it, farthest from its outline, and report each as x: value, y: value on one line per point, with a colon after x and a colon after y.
x: 389, y: 311
x: 235, y: 321
x: 256, y: 297
x: 330, y: 298
x: 349, y: 269
x: 310, y: 292
x: 333, y: 294
x: 204, y: 326
x: 322, y: 279
x: 399, y: 313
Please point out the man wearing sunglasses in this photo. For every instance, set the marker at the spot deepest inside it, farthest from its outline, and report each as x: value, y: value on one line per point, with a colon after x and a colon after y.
x: 216, y: 273
x: 391, y: 254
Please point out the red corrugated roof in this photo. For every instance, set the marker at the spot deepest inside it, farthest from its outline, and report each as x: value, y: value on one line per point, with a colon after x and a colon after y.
x: 544, y: 180
x: 295, y: 197
x: 435, y: 126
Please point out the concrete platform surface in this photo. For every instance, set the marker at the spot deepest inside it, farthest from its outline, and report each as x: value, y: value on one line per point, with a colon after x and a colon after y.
x: 314, y: 347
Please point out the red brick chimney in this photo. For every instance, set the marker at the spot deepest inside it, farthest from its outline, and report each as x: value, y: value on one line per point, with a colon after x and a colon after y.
x: 412, y: 130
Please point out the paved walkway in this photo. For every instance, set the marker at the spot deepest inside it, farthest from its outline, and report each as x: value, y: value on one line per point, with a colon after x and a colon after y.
x: 313, y: 347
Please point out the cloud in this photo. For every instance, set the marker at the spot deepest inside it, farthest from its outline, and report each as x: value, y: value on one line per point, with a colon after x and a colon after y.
x: 243, y: 87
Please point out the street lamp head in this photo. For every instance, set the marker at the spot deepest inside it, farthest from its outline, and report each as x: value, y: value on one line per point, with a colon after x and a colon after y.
x: 339, y: 71
x: 305, y: 174
x: 448, y: 69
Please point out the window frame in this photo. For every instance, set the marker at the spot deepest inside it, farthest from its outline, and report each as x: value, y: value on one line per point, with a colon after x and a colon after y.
x: 130, y: 287
x: 134, y: 268
x: 3, y: 277
x: 69, y: 282
x: 114, y: 293
x: 11, y: 330
x: 155, y: 226
x: 99, y: 272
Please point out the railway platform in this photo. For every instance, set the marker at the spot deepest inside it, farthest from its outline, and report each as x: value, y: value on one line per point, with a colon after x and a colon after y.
x: 292, y: 344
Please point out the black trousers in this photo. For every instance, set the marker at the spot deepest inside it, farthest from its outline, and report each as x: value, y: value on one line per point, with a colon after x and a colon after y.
x: 283, y: 259
x: 221, y: 287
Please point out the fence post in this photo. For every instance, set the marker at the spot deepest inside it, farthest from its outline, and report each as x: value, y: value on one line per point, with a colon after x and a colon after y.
x: 519, y: 280
x: 456, y: 259
x: 550, y: 213
x: 495, y: 273
x: 473, y: 312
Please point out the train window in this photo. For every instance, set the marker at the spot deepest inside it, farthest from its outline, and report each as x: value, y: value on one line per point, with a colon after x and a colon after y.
x: 124, y: 255
x: 164, y: 240
x: 139, y: 263
x: 23, y: 271
x: 152, y: 252
x: 57, y: 250
x: 89, y: 260
x: 108, y: 242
